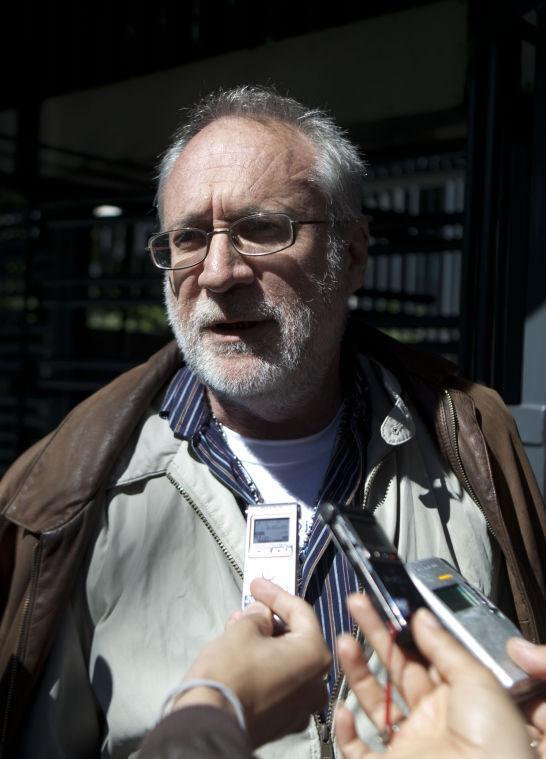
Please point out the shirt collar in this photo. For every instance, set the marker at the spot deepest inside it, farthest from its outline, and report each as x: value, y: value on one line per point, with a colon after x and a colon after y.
x: 187, y: 409
x: 185, y: 405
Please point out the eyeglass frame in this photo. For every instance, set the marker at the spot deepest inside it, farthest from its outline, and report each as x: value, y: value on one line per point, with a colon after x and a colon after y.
x: 227, y: 230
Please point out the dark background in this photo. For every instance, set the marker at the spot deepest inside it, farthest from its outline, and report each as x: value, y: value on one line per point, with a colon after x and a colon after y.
x: 446, y: 98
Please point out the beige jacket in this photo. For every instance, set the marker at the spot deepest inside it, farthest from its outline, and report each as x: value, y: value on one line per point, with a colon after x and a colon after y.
x: 419, y: 501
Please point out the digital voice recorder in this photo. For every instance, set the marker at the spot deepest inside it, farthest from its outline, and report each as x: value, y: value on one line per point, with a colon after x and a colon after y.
x: 474, y: 620
x: 271, y: 547
x: 377, y: 565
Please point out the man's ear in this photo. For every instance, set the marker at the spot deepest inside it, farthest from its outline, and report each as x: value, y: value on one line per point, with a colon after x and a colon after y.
x: 357, y: 252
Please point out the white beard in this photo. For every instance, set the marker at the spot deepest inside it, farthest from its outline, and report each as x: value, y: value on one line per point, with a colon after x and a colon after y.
x: 308, y: 336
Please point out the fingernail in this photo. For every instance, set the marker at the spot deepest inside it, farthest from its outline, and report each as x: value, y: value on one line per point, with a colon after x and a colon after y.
x: 521, y: 643
x: 257, y: 607
x: 355, y: 599
x: 428, y: 618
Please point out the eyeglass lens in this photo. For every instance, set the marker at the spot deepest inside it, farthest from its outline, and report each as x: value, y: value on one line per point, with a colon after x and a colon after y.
x: 252, y: 236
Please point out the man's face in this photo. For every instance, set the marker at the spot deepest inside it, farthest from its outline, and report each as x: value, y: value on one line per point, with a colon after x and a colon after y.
x: 250, y: 326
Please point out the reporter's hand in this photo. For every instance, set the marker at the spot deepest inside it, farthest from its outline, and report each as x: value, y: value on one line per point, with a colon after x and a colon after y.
x: 458, y: 708
x: 532, y: 659
x: 279, y: 680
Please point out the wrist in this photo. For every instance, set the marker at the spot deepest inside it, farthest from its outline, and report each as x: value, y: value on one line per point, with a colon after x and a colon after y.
x: 201, y: 695
x: 220, y: 695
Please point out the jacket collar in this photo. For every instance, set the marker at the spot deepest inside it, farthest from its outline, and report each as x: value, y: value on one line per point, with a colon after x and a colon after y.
x: 76, y: 462
x: 399, y: 358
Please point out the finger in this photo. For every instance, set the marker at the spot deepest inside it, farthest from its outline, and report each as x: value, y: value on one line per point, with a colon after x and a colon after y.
x: 531, y: 658
x: 260, y: 619
x: 302, y: 627
x: 294, y: 611
x: 370, y: 694
x: 535, y: 712
x: 451, y: 660
x: 347, y: 739
x: 408, y: 674
x: 256, y: 616
x: 235, y: 617
x: 370, y: 622
x: 256, y: 607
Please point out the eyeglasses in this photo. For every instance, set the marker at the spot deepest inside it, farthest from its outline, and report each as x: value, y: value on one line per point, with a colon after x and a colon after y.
x: 258, y: 234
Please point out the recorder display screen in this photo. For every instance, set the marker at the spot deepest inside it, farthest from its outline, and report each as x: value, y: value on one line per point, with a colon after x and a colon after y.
x: 455, y: 597
x: 271, y: 530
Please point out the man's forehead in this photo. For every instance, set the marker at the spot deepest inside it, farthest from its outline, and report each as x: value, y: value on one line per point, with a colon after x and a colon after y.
x: 238, y: 140
x: 241, y: 157
x: 237, y: 149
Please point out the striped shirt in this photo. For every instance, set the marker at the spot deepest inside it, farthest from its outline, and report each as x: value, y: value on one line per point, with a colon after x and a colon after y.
x: 326, y: 578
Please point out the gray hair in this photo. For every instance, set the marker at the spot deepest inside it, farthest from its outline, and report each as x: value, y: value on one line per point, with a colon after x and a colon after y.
x: 339, y: 168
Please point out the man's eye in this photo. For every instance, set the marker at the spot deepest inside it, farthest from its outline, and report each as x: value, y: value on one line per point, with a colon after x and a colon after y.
x: 260, y: 230
x: 188, y: 239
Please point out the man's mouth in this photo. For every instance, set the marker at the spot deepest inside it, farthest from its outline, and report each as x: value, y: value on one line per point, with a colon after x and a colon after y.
x: 233, y: 326
x: 237, y: 329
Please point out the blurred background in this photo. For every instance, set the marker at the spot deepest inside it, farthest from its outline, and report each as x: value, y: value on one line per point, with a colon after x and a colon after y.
x: 447, y: 99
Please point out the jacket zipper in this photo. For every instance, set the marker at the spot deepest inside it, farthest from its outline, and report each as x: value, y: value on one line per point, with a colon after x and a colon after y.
x: 187, y: 497
x: 20, y: 644
x: 369, y: 484
x: 327, y: 733
x: 453, y: 426
x: 324, y: 729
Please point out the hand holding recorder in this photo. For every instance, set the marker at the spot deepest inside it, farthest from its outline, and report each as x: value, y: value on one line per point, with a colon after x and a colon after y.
x: 397, y: 591
x: 278, y: 680
x: 459, y: 710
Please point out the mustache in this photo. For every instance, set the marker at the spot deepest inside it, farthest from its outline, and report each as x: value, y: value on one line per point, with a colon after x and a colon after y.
x: 207, y: 314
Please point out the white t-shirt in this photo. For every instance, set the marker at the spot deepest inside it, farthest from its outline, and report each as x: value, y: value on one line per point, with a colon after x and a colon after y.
x: 291, y: 470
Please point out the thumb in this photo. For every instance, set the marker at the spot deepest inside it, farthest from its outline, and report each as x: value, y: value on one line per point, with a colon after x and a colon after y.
x: 259, y: 615
x: 257, y: 609
x: 531, y: 658
x: 452, y: 661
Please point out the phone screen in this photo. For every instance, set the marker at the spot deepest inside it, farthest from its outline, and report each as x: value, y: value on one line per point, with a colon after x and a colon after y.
x: 370, y: 532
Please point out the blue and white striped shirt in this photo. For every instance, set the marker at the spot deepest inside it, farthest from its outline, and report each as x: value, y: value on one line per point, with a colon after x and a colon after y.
x: 326, y: 577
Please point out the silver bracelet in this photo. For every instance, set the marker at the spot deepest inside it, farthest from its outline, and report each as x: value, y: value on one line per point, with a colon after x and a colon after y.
x: 226, y: 692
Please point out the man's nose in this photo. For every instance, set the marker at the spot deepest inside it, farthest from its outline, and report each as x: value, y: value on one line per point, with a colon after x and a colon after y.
x: 224, y: 267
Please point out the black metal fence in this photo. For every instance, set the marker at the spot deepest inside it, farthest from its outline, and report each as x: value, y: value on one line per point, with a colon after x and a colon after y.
x: 80, y: 301
x: 413, y: 285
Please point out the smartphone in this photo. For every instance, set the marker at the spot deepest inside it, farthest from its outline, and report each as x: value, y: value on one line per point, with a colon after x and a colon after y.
x: 377, y: 565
